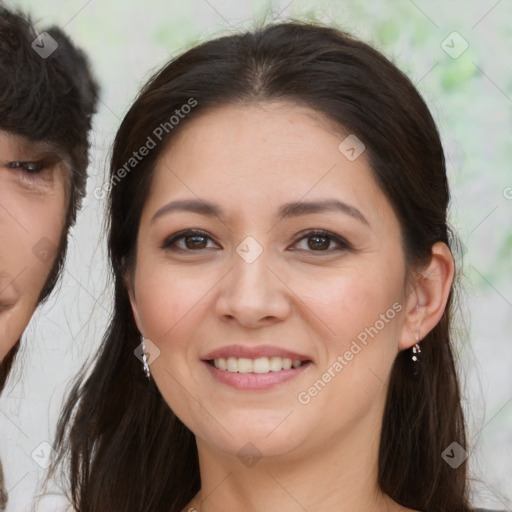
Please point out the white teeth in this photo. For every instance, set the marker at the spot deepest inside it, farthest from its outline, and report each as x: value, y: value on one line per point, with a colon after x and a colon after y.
x: 259, y: 365
x: 232, y: 364
x: 276, y: 364
x: 244, y: 365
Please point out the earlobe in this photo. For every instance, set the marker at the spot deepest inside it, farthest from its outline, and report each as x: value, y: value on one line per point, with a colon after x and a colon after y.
x: 429, y: 295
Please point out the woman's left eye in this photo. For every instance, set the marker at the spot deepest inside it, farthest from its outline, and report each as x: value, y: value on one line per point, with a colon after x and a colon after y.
x: 320, y: 241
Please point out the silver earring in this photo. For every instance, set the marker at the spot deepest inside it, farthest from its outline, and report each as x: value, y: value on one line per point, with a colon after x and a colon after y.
x: 416, y: 350
x: 145, y: 359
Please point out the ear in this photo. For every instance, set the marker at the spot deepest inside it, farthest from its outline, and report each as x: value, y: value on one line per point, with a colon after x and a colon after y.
x: 129, y: 281
x: 427, y: 296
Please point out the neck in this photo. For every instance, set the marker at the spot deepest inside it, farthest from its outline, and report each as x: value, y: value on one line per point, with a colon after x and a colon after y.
x: 340, y: 476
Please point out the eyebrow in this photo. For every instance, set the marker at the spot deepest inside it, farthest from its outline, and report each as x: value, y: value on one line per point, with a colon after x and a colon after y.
x: 293, y: 209
x: 33, y: 150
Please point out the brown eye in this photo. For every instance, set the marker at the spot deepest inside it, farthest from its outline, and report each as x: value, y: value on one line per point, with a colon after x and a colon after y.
x: 321, y: 241
x: 193, y: 240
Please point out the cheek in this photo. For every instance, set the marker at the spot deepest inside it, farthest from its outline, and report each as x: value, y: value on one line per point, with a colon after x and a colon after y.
x: 360, y: 318
x: 348, y: 302
x: 170, y: 308
x: 31, y: 229
x: 168, y: 301
x: 360, y: 310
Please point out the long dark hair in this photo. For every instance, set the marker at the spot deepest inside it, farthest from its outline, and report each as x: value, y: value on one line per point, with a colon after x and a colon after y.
x: 124, y: 447
x: 47, y: 102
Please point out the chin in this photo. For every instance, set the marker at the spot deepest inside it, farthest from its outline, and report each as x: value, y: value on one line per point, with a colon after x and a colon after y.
x: 255, y: 440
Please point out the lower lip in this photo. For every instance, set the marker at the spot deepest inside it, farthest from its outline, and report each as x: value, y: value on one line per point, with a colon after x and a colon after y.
x: 255, y: 381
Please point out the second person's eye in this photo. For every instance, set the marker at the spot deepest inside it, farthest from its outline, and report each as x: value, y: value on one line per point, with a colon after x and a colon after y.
x: 28, y: 167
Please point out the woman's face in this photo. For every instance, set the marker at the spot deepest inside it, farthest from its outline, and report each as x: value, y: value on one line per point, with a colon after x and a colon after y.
x: 32, y: 214
x: 261, y: 283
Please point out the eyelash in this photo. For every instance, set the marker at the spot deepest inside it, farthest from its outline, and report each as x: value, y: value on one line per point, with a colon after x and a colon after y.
x: 171, y: 241
x: 28, y: 171
x: 27, y: 166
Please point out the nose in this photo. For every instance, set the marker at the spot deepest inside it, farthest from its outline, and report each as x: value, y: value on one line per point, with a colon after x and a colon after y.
x: 252, y: 294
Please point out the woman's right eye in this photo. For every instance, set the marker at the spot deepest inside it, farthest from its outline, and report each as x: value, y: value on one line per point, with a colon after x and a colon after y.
x: 193, y: 241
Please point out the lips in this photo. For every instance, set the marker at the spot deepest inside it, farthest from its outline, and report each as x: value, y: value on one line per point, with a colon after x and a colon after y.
x: 256, y: 368
x: 241, y: 351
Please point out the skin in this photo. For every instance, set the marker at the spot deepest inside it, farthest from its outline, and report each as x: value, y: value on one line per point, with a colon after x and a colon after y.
x: 250, y: 160
x: 32, y: 216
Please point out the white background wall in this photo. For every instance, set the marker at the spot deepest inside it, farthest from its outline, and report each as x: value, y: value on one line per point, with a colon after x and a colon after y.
x: 471, y: 98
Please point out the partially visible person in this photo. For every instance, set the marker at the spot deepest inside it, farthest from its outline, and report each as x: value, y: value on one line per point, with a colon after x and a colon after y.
x: 47, y: 98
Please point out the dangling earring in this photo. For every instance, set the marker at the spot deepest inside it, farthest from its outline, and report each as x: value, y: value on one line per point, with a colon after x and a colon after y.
x: 416, y: 350
x: 145, y: 359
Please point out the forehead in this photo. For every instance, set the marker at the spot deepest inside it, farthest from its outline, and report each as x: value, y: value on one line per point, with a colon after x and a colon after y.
x: 277, y: 130
x: 262, y: 154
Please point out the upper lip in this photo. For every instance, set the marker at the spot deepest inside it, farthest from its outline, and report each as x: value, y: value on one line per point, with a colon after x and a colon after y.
x: 254, y: 352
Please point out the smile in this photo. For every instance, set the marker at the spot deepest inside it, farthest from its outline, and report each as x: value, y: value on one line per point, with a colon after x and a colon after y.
x: 259, y: 365
x: 259, y: 374
x: 255, y: 367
